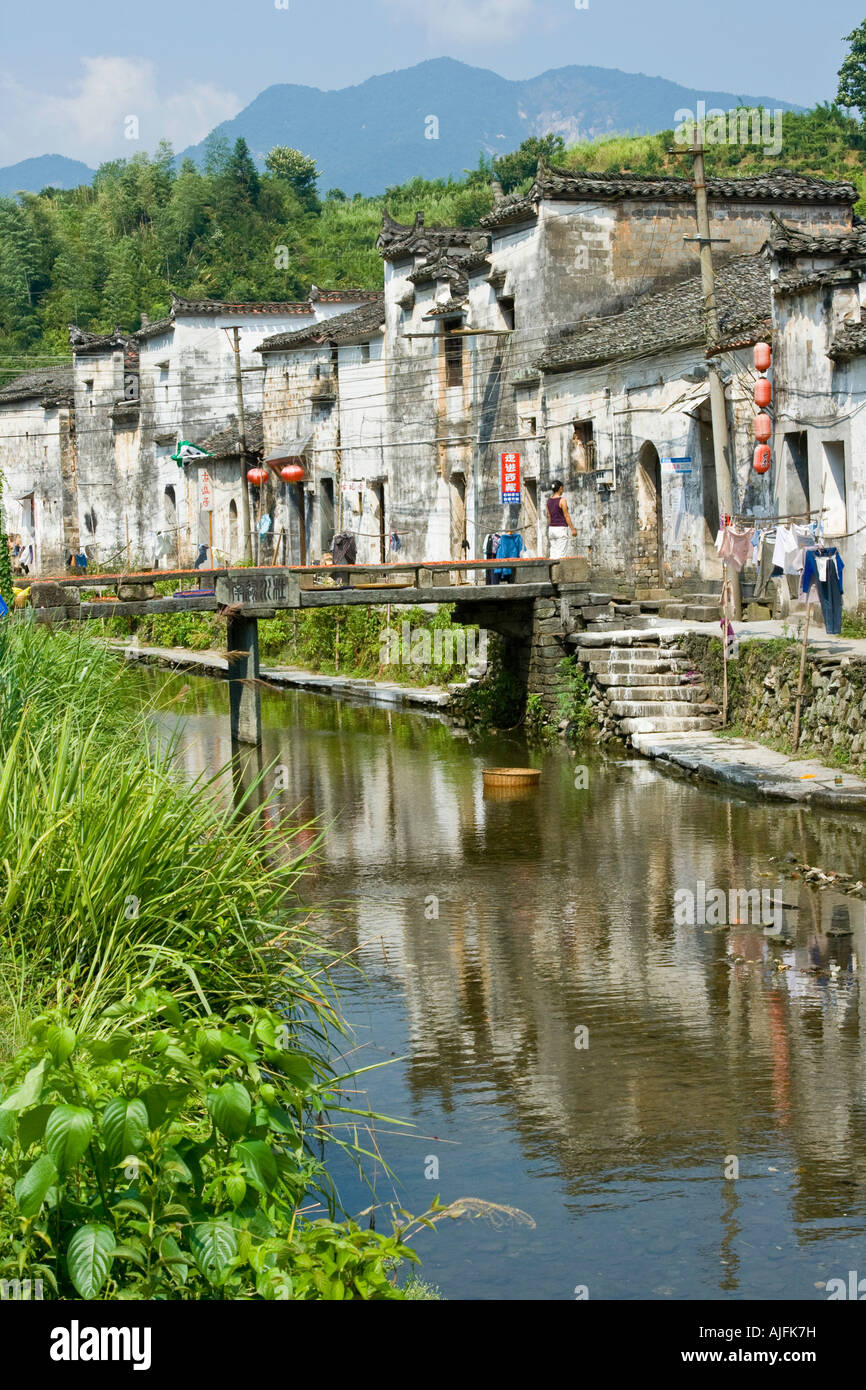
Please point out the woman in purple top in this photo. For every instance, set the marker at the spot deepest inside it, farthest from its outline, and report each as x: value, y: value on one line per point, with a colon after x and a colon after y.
x: 558, y: 522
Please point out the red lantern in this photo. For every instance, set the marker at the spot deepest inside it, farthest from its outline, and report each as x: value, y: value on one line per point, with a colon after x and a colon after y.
x: 257, y: 476
x: 292, y: 473
x: 762, y: 356
x: 763, y: 427
x: 762, y: 459
x: 763, y: 392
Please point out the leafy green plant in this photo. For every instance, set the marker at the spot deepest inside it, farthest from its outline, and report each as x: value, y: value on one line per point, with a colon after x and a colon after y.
x: 162, y: 1154
x: 573, y: 699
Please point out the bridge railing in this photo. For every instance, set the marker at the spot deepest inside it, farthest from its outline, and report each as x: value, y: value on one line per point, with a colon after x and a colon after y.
x: 418, y: 574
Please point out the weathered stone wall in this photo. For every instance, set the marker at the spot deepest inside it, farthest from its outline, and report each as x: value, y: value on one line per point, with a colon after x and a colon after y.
x: 763, y: 695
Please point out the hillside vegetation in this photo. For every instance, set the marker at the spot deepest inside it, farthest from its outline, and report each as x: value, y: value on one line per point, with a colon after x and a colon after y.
x: 104, y: 254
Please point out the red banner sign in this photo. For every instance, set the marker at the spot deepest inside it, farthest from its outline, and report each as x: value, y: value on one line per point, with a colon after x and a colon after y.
x: 510, y: 478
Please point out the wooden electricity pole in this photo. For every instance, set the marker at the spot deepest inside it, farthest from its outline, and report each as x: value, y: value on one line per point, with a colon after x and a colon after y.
x: 242, y: 440
x: 721, y: 443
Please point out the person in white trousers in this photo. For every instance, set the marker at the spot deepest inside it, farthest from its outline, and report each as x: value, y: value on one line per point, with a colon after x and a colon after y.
x: 559, y: 522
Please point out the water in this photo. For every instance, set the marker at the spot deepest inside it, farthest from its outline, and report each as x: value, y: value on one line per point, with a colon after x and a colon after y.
x: 490, y: 930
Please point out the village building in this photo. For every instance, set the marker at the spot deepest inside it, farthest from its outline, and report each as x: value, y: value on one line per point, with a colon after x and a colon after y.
x: 564, y: 334
x: 324, y: 411
x: 471, y: 312
x: 86, y: 453
x: 636, y: 385
x: 819, y: 375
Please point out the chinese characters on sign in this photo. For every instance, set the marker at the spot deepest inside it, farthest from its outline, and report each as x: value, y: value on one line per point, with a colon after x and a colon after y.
x: 206, y: 491
x: 510, y: 478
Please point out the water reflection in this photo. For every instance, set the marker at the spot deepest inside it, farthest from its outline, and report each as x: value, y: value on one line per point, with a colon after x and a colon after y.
x: 490, y: 930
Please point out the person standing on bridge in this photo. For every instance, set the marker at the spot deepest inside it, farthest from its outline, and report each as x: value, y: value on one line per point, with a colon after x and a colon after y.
x: 558, y: 522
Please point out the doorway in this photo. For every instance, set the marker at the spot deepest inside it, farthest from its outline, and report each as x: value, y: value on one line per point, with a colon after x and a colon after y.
x: 379, y: 494
x: 529, y: 516
x: 326, y: 515
x: 796, y: 464
x: 233, y: 530
x: 833, y: 489
x: 650, y: 518
x: 169, y: 513
x: 457, y: 498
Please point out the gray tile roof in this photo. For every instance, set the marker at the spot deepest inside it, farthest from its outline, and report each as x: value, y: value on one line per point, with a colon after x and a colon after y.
x: 364, y: 322
x: 788, y: 242
x: 850, y: 341
x: 397, y: 241
x: 154, y: 330
x: 224, y: 443
x: 782, y: 186
x: 50, y: 385
x: 259, y: 308
x: 84, y: 343
x: 670, y: 318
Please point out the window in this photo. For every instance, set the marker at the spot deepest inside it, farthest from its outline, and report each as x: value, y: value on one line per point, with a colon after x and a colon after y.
x: 582, y: 447
x: 532, y: 424
x: 453, y: 355
x: 365, y: 354
x: 507, y: 307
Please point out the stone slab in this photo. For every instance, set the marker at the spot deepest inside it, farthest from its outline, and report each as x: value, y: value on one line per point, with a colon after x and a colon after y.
x: 752, y: 768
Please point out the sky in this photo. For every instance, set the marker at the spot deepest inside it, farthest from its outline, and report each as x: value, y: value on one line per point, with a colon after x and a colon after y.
x: 72, y: 75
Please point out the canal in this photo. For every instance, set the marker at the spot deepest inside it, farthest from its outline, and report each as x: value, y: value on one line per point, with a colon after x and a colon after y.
x: 658, y: 1109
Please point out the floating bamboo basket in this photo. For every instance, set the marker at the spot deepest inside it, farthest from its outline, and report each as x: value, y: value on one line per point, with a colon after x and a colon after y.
x: 512, y: 778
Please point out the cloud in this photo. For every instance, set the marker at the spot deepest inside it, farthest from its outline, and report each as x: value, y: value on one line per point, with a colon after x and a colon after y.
x: 488, y: 21
x: 88, y: 121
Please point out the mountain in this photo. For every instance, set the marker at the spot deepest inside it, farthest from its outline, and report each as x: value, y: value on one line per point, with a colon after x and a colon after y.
x: 368, y: 137
x: 47, y: 171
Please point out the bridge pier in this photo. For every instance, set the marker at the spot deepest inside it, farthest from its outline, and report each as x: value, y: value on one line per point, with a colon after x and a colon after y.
x: 245, y: 701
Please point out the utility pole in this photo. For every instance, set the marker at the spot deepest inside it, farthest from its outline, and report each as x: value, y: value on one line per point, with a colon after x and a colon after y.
x: 242, y: 440
x: 721, y: 443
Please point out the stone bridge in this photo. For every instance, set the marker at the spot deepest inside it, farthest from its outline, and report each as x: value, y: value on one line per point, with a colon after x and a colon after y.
x: 547, y: 602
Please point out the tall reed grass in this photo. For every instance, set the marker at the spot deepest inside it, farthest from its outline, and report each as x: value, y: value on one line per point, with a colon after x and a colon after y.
x: 114, y: 871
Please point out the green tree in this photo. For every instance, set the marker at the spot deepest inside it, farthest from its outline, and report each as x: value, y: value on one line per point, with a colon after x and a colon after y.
x: 852, y: 74
x: 513, y: 169
x: 299, y: 171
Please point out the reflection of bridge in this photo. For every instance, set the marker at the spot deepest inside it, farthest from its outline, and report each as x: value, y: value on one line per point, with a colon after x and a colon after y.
x: 522, y: 609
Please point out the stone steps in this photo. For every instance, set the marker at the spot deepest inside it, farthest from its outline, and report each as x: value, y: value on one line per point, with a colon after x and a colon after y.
x: 664, y: 725
x: 684, y: 694
x: 655, y: 709
x: 638, y: 668
x: 675, y: 680
x: 648, y: 687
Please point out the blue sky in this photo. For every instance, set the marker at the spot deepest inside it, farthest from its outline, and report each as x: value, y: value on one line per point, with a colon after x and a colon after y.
x: 71, y: 74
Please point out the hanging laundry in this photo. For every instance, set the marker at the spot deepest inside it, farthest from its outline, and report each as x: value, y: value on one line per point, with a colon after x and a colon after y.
x: 822, y: 571
x: 790, y: 548
x: 510, y: 547
x: 734, y: 546
x: 396, y: 543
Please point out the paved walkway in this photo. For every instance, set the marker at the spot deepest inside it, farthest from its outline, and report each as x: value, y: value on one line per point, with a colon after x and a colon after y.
x: 376, y: 692
x: 737, y: 762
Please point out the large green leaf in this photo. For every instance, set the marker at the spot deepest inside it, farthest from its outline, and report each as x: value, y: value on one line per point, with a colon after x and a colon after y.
x: 29, y: 1091
x: 214, y: 1245
x: 60, y: 1042
x: 124, y: 1126
x: 229, y: 1106
x: 88, y: 1258
x: 31, y: 1124
x: 113, y: 1049
x: 7, y: 1127
x: 67, y: 1134
x: 259, y: 1163
x: 32, y: 1189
